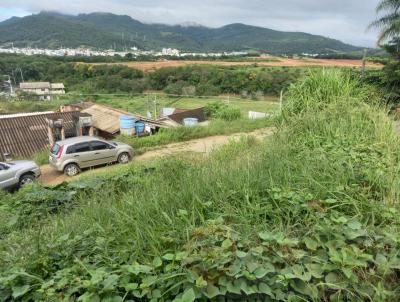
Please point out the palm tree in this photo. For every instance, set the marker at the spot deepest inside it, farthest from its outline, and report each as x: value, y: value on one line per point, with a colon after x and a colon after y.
x: 389, y: 22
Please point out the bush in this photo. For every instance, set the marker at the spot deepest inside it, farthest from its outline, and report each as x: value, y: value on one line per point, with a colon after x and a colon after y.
x: 229, y: 114
x: 175, y: 88
x: 222, y: 111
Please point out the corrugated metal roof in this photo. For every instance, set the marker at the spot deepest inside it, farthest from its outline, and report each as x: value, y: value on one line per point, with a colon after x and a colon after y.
x: 34, y: 85
x: 25, y: 135
x: 193, y: 113
x: 107, y: 119
x: 12, y: 115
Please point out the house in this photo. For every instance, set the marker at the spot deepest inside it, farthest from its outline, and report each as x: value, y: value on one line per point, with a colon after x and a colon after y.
x: 106, y: 120
x: 57, y: 88
x: 22, y: 135
x: 44, y: 90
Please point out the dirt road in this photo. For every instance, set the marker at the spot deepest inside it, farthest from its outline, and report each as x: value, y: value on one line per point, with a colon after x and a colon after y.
x: 202, y: 145
x: 150, y: 66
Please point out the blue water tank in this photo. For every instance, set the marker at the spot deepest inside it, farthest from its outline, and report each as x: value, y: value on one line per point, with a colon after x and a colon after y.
x: 127, y: 122
x: 139, y: 127
x: 190, y: 122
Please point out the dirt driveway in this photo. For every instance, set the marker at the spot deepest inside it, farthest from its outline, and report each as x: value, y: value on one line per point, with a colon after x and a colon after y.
x: 202, y: 145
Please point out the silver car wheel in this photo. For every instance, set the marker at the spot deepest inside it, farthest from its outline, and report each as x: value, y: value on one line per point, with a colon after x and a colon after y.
x: 123, y: 158
x: 72, y: 170
x: 26, y: 180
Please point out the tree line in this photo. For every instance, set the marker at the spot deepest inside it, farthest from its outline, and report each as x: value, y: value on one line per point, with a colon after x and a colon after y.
x: 250, y: 81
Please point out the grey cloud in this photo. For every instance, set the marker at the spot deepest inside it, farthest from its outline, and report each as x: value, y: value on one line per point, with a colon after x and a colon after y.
x: 346, y: 20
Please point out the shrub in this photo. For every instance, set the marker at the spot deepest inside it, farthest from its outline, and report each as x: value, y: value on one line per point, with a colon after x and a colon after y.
x: 229, y: 114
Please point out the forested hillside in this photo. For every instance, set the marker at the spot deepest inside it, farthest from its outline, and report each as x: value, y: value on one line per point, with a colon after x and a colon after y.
x: 104, y: 30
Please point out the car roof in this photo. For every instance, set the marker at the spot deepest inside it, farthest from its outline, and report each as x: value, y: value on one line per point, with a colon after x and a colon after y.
x: 79, y: 139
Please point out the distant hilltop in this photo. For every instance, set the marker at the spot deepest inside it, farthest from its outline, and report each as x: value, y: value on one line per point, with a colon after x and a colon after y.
x: 110, y: 31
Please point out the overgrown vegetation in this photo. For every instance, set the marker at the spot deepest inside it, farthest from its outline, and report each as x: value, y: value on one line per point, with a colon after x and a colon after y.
x: 310, y: 215
x: 389, y: 39
x: 188, y: 80
x: 181, y: 134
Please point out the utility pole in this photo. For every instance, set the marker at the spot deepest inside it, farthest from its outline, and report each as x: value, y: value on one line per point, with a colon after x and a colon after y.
x: 281, y: 102
x: 155, y: 105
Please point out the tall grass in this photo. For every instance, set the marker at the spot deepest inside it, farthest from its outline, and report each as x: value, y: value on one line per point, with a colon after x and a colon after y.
x: 323, y: 191
x: 180, y: 134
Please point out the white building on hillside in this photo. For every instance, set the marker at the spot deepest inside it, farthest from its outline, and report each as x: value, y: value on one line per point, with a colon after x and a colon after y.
x: 44, y: 90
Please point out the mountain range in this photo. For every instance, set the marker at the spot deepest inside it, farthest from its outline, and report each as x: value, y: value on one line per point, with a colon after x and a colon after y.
x: 106, y: 30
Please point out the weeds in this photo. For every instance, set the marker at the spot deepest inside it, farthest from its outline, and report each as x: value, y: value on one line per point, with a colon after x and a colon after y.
x: 180, y: 134
x: 310, y: 215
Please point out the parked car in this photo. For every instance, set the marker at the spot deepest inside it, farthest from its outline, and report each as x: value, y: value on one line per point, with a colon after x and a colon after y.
x: 18, y: 173
x: 73, y: 154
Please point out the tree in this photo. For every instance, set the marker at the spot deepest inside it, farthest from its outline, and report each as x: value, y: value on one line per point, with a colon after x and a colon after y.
x: 389, y: 25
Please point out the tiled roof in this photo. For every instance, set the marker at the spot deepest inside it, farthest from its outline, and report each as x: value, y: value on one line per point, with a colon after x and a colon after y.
x: 34, y: 85
x: 25, y: 135
x: 23, y: 114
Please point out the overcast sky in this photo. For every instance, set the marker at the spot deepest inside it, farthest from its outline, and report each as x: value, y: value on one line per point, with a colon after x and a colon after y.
x: 345, y: 20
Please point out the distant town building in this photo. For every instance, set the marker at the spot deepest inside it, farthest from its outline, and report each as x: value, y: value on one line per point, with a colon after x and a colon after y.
x: 44, y: 90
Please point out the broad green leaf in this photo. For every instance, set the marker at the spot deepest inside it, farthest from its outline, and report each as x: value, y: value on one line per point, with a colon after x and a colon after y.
x: 19, y: 291
x: 114, y: 298
x: 131, y: 286
x: 241, y: 254
x: 265, y: 289
x: 188, y: 295
x: 233, y: 288
x: 354, y: 225
x: 157, y: 262
x: 212, y: 291
x: 89, y: 297
x: 304, y: 288
x: 315, y: 270
x: 311, y: 244
x: 260, y: 272
x: 110, y: 282
x: 332, y: 278
x: 169, y: 257
x: 265, y: 236
x: 200, y: 282
x: 227, y: 243
x: 252, y: 266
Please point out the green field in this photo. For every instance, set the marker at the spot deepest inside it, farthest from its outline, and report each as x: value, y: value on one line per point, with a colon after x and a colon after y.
x: 143, y: 103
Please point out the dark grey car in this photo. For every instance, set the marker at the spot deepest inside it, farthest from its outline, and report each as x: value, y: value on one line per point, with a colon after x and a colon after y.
x: 18, y: 173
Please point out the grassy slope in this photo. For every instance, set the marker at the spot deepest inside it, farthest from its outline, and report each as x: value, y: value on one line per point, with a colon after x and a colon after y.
x: 310, y: 215
x: 140, y: 104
